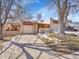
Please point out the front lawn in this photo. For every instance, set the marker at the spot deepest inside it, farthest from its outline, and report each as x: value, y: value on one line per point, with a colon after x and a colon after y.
x: 6, y: 39
x: 70, y: 43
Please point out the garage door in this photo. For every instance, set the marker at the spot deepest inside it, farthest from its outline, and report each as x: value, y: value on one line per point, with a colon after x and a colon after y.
x: 28, y: 29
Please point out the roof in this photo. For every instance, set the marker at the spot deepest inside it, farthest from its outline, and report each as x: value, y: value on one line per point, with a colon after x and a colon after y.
x: 27, y: 23
x: 12, y: 23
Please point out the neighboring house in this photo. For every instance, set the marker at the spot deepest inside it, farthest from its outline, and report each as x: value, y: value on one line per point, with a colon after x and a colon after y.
x: 75, y: 25
x: 70, y: 28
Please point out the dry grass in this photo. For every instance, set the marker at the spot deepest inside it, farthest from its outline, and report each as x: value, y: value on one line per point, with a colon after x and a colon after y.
x: 71, y: 41
x: 71, y: 38
x: 6, y: 39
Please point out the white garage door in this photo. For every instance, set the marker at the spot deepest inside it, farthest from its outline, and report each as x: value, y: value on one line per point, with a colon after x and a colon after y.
x: 28, y: 29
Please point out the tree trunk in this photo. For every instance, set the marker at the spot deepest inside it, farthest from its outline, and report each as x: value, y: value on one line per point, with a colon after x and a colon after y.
x: 38, y: 28
x: 61, y: 13
x: 62, y: 29
x: 61, y: 26
x: 1, y: 35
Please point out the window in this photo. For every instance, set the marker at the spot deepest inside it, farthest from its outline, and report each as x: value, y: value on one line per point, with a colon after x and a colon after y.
x: 12, y: 27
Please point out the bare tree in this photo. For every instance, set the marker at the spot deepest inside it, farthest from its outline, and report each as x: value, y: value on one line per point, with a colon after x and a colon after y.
x: 5, y: 7
x: 0, y: 20
x: 8, y: 8
x: 20, y: 13
x: 64, y: 9
x: 61, y: 13
x: 39, y: 19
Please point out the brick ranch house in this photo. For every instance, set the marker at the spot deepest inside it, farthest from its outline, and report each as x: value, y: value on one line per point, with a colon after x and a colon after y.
x: 34, y: 27
x: 30, y: 27
x: 25, y: 27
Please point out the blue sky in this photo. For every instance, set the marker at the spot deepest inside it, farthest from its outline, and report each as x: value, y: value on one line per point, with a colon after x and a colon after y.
x: 41, y: 6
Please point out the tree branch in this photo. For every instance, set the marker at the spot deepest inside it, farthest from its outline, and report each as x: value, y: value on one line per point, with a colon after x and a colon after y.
x: 10, y: 2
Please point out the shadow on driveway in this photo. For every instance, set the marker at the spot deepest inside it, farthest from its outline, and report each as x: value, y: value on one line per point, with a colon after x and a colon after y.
x: 37, y: 46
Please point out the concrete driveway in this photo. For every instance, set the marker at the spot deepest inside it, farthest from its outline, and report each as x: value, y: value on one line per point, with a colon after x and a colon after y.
x: 30, y: 47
